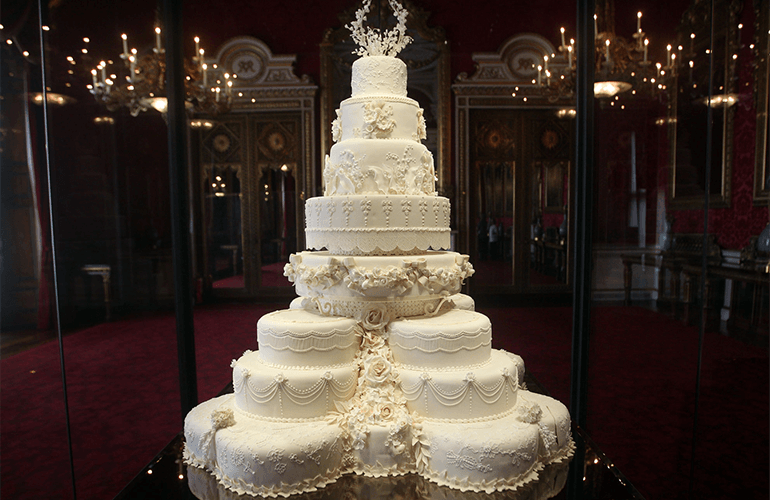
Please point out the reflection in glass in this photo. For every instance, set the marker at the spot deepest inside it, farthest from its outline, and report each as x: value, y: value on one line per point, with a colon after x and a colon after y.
x: 224, y: 228
x: 277, y: 208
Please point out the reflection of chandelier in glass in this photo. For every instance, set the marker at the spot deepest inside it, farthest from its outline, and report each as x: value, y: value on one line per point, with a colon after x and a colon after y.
x: 219, y: 186
x: 139, y: 83
x: 620, y: 65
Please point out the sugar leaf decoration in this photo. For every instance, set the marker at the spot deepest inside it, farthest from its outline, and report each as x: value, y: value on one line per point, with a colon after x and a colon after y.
x: 371, y: 41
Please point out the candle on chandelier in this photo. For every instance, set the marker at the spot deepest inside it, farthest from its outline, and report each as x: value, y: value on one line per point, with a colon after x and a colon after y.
x: 93, y: 76
x: 639, y: 22
x: 569, y: 54
x: 607, y: 50
x: 563, y: 43
x: 596, y: 26
x: 132, y: 64
x: 668, y: 55
x: 545, y: 58
x: 103, y: 67
x: 157, y: 38
x: 197, y: 45
x: 125, y: 45
x: 204, y: 68
x: 539, y: 71
x: 646, y: 43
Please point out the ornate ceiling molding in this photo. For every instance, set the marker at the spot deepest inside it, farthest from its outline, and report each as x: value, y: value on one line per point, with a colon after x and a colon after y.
x: 513, y: 68
x: 260, y: 73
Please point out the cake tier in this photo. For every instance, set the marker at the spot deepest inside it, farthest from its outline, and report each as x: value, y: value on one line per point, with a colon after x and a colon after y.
x: 456, y: 338
x: 297, y: 337
x: 349, y: 282
x: 375, y: 166
x: 379, y: 117
x: 469, y: 392
x: 378, y: 75
x: 278, y: 392
x: 377, y: 224
x: 500, y: 453
x: 261, y: 457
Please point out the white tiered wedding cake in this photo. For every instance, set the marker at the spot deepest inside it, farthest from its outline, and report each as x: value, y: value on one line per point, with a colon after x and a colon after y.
x: 380, y: 366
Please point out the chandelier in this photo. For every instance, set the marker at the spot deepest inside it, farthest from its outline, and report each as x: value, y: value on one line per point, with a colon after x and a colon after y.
x: 138, y: 82
x: 620, y: 64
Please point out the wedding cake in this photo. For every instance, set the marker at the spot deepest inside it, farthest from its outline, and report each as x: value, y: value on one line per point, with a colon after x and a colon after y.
x: 380, y: 366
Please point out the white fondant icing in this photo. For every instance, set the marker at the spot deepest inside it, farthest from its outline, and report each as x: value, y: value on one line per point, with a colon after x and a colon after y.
x: 283, y: 392
x: 304, y: 338
x: 465, y: 393
x: 263, y: 457
x: 377, y: 224
x: 378, y: 75
x: 454, y: 338
x: 372, y: 166
x: 381, y: 366
x: 381, y: 117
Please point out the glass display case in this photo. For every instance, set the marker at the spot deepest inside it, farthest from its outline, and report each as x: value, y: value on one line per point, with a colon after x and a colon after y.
x: 146, y: 224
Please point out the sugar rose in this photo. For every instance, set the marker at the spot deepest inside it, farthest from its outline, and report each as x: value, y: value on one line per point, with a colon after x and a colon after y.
x: 375, y: 318
x: 385, y: 411
x: 377, y: 370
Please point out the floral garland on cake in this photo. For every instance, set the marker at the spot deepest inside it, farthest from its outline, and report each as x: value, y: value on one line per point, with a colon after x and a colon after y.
x: 411, y: 273
x: 378, y: 399
x: 374, y: 43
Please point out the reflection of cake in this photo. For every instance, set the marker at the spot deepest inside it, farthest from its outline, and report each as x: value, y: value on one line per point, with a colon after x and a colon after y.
x: 381, y: 366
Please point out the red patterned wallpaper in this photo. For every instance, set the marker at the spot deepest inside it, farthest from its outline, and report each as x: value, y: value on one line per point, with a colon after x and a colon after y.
x: 736, y: 224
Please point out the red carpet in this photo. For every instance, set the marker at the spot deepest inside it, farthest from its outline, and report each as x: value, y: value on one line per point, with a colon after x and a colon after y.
x: 124, y: 399
x: 642, y: 380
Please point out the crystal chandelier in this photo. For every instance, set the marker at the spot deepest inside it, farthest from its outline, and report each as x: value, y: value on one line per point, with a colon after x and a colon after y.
x: 620, y: 65
x: 138, y: 82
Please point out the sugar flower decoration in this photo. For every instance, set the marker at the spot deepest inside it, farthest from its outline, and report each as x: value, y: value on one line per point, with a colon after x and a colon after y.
x: 371, y: 41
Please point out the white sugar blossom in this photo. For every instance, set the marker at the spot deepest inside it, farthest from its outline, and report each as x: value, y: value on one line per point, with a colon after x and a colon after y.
x: 371, y: 41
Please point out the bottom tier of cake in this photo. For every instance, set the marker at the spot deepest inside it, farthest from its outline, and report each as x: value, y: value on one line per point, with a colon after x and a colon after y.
x: 272, y: 458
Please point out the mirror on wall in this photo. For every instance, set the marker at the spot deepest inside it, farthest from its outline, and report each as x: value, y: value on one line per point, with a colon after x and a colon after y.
x: 704, y: 93
x: 277, y: 195
x: 514, y: 158
x: 223, y: 231
x: 257, y: 167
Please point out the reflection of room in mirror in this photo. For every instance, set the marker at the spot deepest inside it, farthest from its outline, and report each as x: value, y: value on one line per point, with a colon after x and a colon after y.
x: 224, y: 227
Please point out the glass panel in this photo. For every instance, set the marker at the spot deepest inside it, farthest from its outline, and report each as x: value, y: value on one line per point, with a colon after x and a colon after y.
x: 112, y: 241
x: 35, y: 451
x: 681, y: 368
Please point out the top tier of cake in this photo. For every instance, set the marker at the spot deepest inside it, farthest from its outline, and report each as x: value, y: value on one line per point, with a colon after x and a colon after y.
x: 379, y: 75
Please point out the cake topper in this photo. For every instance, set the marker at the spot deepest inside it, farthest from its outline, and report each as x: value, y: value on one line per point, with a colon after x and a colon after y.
x: 371, y: 41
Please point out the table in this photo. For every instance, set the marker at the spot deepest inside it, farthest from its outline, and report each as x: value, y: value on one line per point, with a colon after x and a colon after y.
x: 757, y: 278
